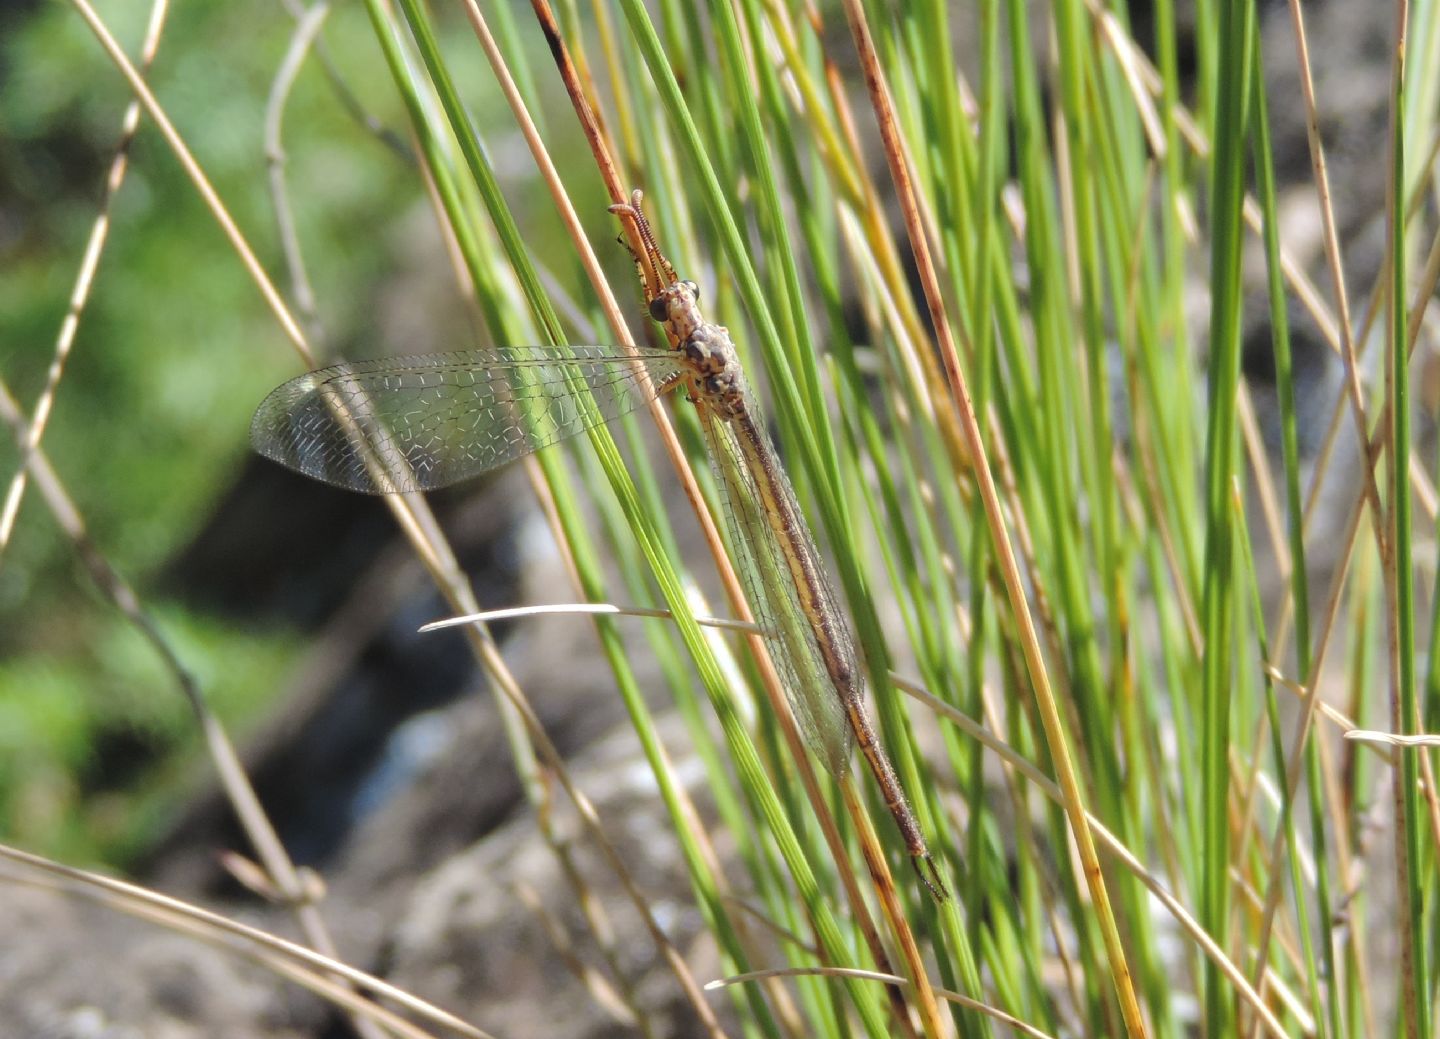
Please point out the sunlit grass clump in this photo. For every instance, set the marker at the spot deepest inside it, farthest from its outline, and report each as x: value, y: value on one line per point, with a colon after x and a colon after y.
x: 993, y: 307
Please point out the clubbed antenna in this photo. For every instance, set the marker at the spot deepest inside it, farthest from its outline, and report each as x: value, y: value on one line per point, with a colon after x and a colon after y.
x: 660, y: 267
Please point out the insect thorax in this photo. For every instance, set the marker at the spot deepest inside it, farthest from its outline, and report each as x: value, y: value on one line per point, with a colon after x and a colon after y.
x: 711, y: 354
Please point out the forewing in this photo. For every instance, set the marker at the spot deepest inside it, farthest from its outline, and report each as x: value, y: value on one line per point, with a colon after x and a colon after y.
x: 770, y: 589
x: 423, y: 422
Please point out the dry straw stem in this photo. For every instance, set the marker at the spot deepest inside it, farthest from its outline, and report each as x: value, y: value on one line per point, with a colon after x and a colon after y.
x: 621, y: 1005
x: 307, y: 32
x: 1310, y: 702
x: 232, y: 777
x: 1337, y: 271
x: 1146, y: 76
x: 1427, y: 286
x: 234, y: 782
x: 590, y: 608
x: 1393, y: 739
x: 600, y: 149
x: 283, y: 878
x: 84, y: 282
x: 620, y: 330
x: 1299, y: 282
x: 1013, y: 759
x: 139, y: 901
x: 1021, y: 1027
x: 1339, y: 335
x: 410, y: 511
x: 898, y: 159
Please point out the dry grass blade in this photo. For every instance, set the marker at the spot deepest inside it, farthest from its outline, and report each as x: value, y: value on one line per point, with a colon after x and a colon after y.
x: 132, y: 898
x: 197, y: 176
x: 410, y: 512
x: 772, y: 684
x: 1020, y: 1027
x: 620, y: 1006
x: 1113, y: 844
x: 307, y: 31
x: 896, y: 156
x: 592, y: 608
x: 279, y: 867
x: 1393, y: 739
x: 1337, y: 269
x: 84, y: 282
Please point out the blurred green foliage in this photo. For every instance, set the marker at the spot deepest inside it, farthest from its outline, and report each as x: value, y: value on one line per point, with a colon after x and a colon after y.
x: 175, y: 349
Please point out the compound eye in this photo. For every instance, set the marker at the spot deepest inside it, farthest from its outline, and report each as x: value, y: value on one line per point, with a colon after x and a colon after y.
x: 659, y: 308
x: 694, y: 290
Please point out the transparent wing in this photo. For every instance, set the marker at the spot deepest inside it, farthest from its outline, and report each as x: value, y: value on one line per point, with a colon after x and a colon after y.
x: 771, y: 590
x: 424, y: 422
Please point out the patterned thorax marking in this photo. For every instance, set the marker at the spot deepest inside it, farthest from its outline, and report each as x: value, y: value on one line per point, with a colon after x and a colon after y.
x: 707, y: 349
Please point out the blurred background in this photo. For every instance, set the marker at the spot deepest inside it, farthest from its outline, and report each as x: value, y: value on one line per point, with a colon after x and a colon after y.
x: 175, y: 351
